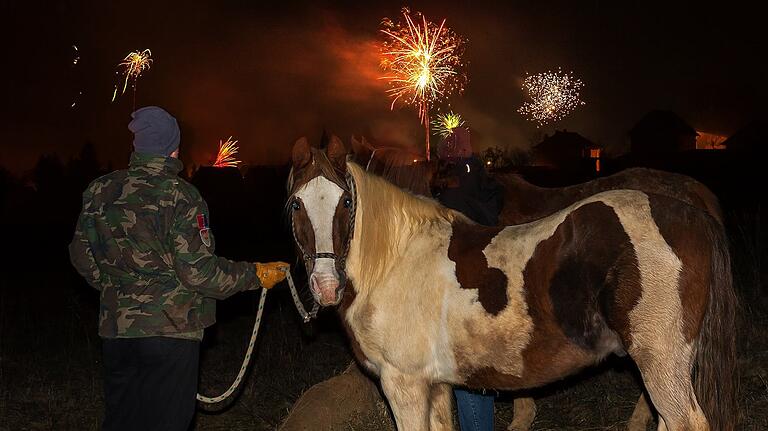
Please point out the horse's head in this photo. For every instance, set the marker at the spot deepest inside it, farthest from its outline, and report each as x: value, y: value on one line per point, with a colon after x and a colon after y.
x: 322, y: 211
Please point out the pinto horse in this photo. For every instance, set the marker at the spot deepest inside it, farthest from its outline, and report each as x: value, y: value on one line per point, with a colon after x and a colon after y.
x: 525, y: 202
x: 436, y: 300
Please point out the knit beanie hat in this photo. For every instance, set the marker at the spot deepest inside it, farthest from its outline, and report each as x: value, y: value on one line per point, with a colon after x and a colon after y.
x: 155, y: 131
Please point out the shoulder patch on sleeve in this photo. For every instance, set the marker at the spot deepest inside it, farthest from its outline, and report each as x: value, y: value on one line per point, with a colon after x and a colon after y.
x: 202, y: 224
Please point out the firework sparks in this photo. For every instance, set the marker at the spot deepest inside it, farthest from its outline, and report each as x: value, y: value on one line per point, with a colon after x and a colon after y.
x: 423, y: 62
x: 132, y: 66
x: 76, y: 56
x: 225, y: 158
x: 75, y: 61
x: 553, y: 96
x: 79, y: 93
x: 445, y: 123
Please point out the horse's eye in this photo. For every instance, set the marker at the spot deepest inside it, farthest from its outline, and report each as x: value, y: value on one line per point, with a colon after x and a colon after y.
x: 347, y: 202
x: 295, y: 205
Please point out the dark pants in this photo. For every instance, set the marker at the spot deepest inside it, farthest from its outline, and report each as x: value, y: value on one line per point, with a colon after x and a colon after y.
x: 475, y: 410
x: 150, y: 383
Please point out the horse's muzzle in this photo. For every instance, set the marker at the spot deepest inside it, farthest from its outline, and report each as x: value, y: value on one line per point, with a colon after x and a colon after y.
x: 326, y: 288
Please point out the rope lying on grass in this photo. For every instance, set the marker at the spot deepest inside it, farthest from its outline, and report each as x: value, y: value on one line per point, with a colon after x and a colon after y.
x: 247, y: 359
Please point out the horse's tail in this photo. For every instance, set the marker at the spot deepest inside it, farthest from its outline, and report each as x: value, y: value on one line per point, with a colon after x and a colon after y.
x: 715, y: 377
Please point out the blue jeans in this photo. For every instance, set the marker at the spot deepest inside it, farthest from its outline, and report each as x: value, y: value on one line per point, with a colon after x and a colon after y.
x: 475, y: 410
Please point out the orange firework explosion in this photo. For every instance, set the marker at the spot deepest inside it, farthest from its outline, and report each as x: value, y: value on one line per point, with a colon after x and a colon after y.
x: 423, y: 61
x: 133, y: 65
x: 226, y: 155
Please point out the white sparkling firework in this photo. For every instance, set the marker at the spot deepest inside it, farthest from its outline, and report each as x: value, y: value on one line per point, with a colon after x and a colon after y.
x: 553, y: 95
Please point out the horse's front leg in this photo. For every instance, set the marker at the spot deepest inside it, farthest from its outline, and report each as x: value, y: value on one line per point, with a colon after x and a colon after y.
x: 408, y: 397
x: 441, y: 407
x: 641, y: 415
x: 524, y: 414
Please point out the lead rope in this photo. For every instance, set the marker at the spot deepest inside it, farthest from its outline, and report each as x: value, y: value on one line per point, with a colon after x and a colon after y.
x: 299, y: 306
x: 248, y: 354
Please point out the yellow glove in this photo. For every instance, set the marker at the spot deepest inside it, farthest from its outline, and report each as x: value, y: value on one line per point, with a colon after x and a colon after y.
x: 271, y: 273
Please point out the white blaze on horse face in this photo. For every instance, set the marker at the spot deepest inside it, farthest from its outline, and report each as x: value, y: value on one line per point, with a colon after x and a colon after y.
x: 321, y: 197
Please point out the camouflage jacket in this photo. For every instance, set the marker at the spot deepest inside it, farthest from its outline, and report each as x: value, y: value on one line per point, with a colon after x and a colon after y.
x: 142, y: 241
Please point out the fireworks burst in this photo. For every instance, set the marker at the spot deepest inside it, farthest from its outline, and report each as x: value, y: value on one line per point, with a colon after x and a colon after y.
x: 553, y: 96
x: 132, y: 66
x: 423, y: 62
x: 445, y: 123
x: 225, y: 158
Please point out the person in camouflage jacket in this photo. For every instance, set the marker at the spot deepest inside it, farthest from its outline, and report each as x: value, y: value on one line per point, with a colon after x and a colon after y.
x: 143, y: 240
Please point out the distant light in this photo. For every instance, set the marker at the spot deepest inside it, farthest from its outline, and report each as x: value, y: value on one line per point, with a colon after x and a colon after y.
x: 414, y: 160
x: 467, y: 167
x: 709, y: 141
x: 488, y: 163
x: 77, y: 55
x: 79, y: 93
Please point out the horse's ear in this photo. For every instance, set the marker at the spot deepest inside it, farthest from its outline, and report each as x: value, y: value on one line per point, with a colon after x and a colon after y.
x: 337, y: 154
x: 301, y: 154
x: 361, y: 152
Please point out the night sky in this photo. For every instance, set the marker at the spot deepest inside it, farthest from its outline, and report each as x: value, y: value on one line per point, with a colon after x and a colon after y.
x: 268, y: 75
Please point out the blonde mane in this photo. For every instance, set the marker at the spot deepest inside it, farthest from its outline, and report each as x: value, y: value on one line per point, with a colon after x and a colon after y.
x: 386, y: 218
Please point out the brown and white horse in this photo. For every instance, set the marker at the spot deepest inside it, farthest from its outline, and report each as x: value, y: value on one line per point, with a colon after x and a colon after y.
x: 436, y: 300
x: 525, y: 202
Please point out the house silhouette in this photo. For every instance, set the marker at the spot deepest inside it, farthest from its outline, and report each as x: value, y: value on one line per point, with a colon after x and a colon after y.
x: 567, y: 151
x: 662, y: 132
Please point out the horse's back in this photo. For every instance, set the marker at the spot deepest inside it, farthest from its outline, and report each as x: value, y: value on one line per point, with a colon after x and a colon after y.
x: 673, y: 185
x: 525, y: 202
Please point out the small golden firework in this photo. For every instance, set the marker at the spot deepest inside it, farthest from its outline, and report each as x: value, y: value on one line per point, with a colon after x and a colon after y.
x: 444, y: 124
x: 225, y: 158
x: 132, y: 66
